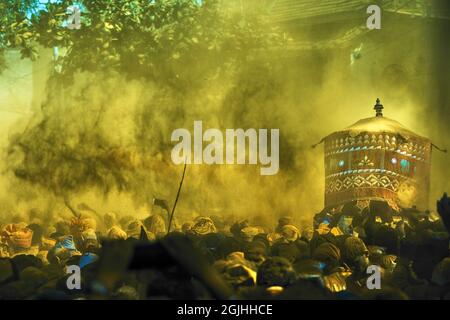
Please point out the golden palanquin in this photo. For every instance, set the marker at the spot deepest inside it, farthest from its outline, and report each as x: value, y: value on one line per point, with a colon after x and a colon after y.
x: 377, y: 159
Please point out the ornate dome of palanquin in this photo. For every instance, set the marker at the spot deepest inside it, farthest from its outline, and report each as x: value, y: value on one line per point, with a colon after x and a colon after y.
x: 377, y: 158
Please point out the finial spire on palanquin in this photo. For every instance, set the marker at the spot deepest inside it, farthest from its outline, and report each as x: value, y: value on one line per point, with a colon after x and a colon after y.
x: 378, y: 108
x: 377, y: 158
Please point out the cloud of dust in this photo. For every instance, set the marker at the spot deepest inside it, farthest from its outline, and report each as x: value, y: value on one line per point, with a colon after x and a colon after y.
x: 105, y: 139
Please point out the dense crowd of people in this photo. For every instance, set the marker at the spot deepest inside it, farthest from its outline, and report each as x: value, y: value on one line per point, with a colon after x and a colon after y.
x: 214, y: 258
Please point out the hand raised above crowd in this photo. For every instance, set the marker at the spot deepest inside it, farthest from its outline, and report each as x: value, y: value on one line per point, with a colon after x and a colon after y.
x: 443, y: 208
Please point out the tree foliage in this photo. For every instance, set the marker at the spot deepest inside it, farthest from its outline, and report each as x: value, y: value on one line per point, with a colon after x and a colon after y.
x: 16, y: 30
x: 174, y: 45
x: 155, y: 39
